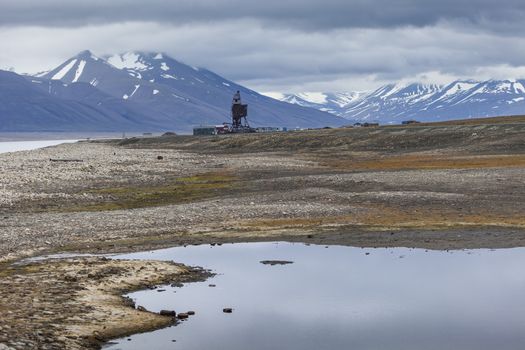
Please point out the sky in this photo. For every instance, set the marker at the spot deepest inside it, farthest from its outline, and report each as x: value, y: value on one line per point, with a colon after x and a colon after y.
x: 280, y: 45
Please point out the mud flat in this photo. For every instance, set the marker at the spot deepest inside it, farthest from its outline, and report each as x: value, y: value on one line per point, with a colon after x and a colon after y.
x: 445, y: 186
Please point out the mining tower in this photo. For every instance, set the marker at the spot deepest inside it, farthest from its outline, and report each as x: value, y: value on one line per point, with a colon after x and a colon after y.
x: 239, y: 114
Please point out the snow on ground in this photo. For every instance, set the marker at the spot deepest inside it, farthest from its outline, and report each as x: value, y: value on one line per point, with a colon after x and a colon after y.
x: 128, y: 60
x: 314, y: 97
x: 168, y: 76
x: 80, y: 69
x: 275, y: 95
x: 62, y: 73
x: 136, y: 88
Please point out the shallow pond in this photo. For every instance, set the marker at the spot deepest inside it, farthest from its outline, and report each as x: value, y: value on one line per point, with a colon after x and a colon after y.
x: 341, y: 298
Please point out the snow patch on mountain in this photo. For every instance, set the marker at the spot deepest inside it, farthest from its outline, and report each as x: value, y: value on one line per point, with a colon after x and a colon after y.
x: 313, y: 97
x: 64, y: 70
x: 80, y: 69
x: 129, y: 60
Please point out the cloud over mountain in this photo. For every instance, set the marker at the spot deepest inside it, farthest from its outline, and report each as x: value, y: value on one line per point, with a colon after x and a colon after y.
x: 296, y: 46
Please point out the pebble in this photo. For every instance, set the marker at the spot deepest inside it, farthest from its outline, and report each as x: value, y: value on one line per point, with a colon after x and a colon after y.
x: 167, y: 313
x: 182, y: 316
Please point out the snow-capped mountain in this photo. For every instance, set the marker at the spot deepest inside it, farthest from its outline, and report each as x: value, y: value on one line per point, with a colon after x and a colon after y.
x: 425, y: 102
x: 176, y: 96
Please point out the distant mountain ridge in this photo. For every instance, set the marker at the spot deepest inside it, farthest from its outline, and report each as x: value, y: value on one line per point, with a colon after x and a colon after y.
x: 395, y: 103
x: 28, y: 105
x: 163, y: 93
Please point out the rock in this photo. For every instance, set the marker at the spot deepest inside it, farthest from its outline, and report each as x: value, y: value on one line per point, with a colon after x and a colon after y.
x: 227, y: 310
x: 129, y: 302
x: 276, y: 262
x: 182, y: 316
x: 141, y: 308
x: 170, y: 313
x: 191, y: 313
x: 212, y: 285
x: 70, y: 278
x: 160, y: 157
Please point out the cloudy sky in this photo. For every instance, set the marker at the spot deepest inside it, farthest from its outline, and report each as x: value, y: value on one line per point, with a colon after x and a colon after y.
x: 280, y: 45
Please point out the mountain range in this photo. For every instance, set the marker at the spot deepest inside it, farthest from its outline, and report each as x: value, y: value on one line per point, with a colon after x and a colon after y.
x: 136, y: 91
x: 394, y: 103
x: 141, y: 91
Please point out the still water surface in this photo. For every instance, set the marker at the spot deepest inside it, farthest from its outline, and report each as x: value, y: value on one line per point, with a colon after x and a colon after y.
x: 340, y: 298
x: 15, y: 146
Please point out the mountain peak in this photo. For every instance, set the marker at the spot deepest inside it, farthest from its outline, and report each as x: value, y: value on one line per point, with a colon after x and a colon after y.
x: 86, y: 55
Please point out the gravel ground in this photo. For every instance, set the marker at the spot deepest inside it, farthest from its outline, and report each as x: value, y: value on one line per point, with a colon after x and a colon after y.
x: 274, y: 196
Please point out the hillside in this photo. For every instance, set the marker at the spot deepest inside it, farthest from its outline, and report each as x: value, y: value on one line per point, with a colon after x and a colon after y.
x: 32, y: 105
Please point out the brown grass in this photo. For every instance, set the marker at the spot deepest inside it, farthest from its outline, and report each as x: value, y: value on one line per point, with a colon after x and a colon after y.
x: 519, y: 119
x: 413, y: 162
x: 388, y: 218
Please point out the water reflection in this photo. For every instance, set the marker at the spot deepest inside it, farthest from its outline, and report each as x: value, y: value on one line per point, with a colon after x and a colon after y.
x: 341, y: 298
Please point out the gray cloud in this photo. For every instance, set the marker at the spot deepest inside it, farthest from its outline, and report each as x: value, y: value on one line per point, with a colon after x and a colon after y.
x: 286, y: 45
x: 318, y: 14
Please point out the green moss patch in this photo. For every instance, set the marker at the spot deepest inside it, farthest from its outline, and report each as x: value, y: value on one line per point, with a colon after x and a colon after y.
x: 181, y: 190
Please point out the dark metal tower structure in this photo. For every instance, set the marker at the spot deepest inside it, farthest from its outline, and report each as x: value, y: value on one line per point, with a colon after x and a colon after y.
x: 239, y: 114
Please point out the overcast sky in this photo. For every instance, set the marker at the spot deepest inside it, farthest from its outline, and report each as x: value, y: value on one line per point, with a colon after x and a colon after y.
x: 280, y: 45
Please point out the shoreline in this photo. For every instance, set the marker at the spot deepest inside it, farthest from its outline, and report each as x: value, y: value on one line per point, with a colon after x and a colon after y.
x: 81, y: 303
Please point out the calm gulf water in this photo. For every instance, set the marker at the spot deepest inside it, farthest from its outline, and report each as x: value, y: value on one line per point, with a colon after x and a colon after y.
x: 15, y: 146
x: 340, y: 298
